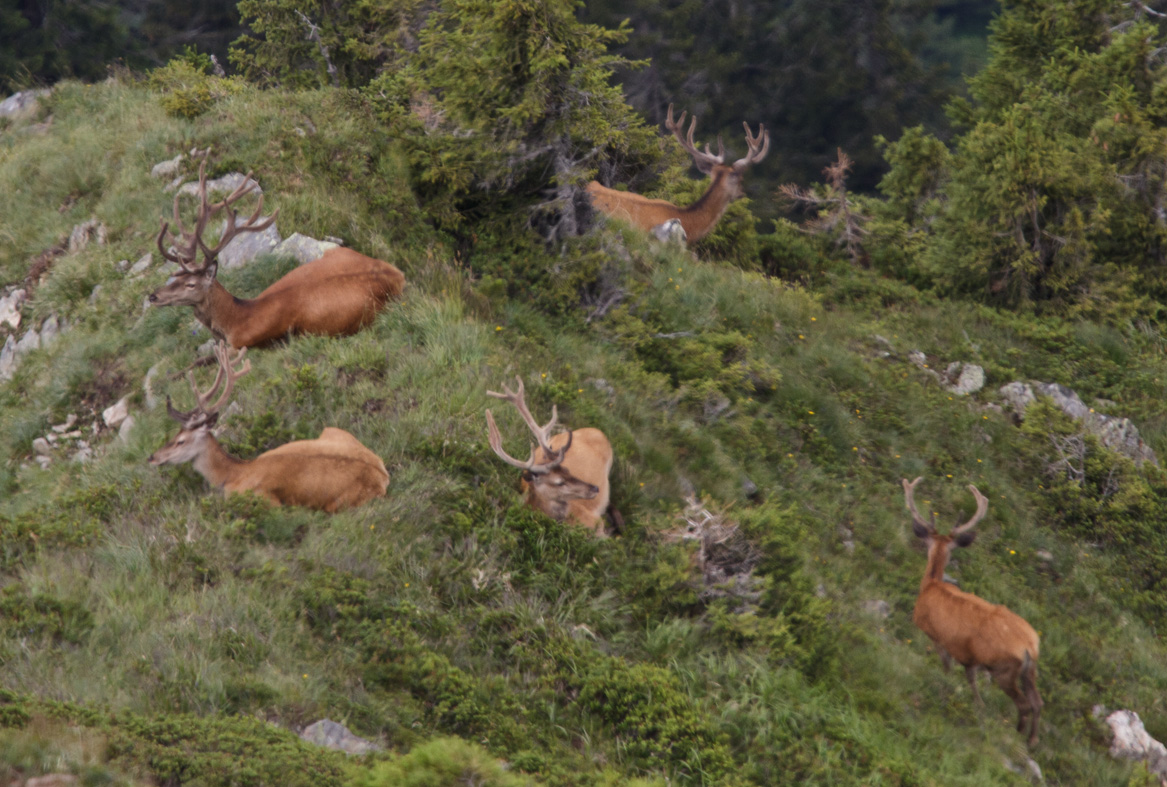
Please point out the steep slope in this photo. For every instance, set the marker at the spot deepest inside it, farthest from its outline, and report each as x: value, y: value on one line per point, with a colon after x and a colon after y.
x: 158, y: 611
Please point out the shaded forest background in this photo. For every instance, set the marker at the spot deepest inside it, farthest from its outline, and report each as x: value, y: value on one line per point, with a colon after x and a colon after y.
x: 820, y: 75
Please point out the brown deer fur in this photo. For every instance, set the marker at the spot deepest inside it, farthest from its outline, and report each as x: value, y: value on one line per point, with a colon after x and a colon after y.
x: 330, y: 473
x: 699, y: 219
x: 335, y: 295
x: 589, y: 461
x: 566, y: 476
x: 964, y: 627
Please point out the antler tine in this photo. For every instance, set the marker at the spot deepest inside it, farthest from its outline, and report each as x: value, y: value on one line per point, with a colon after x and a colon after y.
x: 495, y: 440
x: 703, y: 160
x: 542, y: 433
x: 909, y: 498
x: 982, y: 509
x: 759, y: 146
x: 226, y: 371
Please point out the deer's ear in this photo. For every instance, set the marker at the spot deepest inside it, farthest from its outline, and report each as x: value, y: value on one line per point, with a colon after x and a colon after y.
x: 920, y: 530
x: 212, y: 269
x: 964, y: 539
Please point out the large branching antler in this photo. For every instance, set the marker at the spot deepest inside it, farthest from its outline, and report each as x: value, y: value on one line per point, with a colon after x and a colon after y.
x: 229, y: 371
x: 758, y: 146
x: 542, y: 433
x: 704, y: 161
x: 190, y: 242
x: 982, y: 509
x: 909, y: 498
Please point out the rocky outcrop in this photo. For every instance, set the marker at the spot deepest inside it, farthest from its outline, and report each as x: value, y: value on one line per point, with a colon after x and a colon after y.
x: 1118, y: 434
x: 302, y: 248
x: 958, y: 378
x: 246, y: 246
x: 332, y: 735
x: 10, y: 308
x: 13, y: 350
x: 1132, y: 742
x: 21, y: 105
x: 85, y: 233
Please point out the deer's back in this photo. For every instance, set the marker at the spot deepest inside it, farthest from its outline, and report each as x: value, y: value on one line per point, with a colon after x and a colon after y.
x: 332, y: 472
x: 335, y: 295
x: 972, y: 630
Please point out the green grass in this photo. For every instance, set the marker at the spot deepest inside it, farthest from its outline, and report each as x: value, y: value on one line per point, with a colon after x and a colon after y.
x: 446, y: 610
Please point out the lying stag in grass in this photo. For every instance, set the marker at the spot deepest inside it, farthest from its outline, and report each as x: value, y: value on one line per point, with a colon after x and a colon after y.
x: 566, y: 477
x: 335, y: 295
x: 979, y: 635
x: 699, y: 219
x: 329, y: 473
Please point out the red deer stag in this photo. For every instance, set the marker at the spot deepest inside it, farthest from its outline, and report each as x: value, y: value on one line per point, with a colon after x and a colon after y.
x: 332, y: 472
x: 979, y: 635
x: 567, y: 476
x: 699, y: 219
x: 335, y: 295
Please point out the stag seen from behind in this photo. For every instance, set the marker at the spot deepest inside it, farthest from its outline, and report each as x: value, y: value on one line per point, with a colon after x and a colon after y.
x: 964, y: 627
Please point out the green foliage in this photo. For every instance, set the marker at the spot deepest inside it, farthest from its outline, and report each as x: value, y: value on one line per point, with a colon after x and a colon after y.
x: 438, y: 763
x: 656, y: 723
x: 188, y: 89
x: 499, y: 95
x: 1104, y: 497
x: 1051, y: 194
x: 353, y: 41
x: 36, y: 615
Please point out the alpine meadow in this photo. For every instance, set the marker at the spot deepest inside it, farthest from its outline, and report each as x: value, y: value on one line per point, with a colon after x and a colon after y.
x: 695, y: 542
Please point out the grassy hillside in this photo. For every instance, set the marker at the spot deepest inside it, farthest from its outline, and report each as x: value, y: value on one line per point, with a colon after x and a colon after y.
x: 153, y: 632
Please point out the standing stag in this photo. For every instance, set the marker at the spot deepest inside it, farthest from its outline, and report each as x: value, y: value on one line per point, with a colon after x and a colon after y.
x: 335, y: 295
x: 332, y: 472
x: 566, y: 477
x: 969, y: 629
x: 699, y: 219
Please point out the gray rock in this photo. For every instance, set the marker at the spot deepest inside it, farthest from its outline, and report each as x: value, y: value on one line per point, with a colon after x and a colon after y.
x: 97, y: 288
x: 302, y: 248
x: 8, y: 358
x: 1066, y: 400
x: 50, y: 330
x: 172, y: 185
x: 1044, y: 555
x: 749, y: 488
x: 116, y: 413
x: 29, y: 342
x: 83, y: 455
x: 1027, y: 768
x: 967, y: 378
x: 10, y: 308
x: 41, y: 447
x: 877, y: 608
x: 152, y: 399
x: 126, y: 428
x: 167, y: 169
x: 1131, y: 742
x: 84, y: 233
x: 1017, y: 397
x: 671, y: 231
x: 246, y: 246
x: 1117, y: 434
x: 142, y: 265
x: 53, y: 780
x: 21, y: 105
x: 70, y: 419
x: 332, y: 735
x: 224, y: 185
x: 206, y: 348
